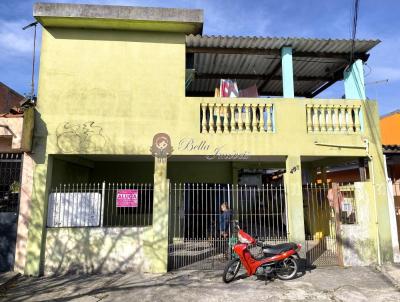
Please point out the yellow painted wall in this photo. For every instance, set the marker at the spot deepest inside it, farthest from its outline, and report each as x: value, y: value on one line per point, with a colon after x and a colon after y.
x: 109, y: 92
x: 123, y: 87
x: 91, y: 250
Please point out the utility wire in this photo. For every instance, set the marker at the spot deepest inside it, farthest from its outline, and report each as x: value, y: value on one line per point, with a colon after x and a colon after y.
x: 34, y: 24
x: 354, y: 29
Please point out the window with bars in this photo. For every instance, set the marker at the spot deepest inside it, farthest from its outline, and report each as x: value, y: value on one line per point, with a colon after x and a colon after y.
x: 10, y: 174
x: 100, y: 205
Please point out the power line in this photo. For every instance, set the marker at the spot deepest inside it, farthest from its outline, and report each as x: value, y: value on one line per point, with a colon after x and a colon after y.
x: 354, y: 29
x: 378, y: 82
x: 34, y: 24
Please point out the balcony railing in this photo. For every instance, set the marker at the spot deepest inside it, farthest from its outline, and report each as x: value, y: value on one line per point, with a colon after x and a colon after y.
x: 329, y: 118
x: 236, y: 117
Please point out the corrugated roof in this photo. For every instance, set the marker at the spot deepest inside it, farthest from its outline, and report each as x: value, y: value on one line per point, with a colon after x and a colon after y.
x: 391, y: 148
x: 316, y: 62
x: 298, y: 44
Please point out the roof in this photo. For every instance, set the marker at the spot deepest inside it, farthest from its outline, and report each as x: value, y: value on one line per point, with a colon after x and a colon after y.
x: 391, y: 113
x: 318, y: 63
x: 391, y: 149
x: 9, y: 98
x: 119, y: 17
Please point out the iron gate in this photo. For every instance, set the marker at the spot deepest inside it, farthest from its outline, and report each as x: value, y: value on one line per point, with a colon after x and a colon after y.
x: 10, y: 172
x: 326, y: 208
x: 201, y: 235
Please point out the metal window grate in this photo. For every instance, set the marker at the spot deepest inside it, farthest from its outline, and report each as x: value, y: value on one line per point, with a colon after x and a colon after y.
x: 10, y: 174
x: 100, y: 205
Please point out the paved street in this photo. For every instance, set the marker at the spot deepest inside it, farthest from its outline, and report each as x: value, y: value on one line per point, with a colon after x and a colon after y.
x: 322, y: 284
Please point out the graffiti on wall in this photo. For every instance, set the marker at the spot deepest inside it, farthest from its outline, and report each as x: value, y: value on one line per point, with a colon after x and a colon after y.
x: 80, y: 137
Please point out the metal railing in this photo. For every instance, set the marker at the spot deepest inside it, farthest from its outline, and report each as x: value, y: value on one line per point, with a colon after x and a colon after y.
x: 195, y: 209
x: 201, y: 233
x: 100, y: 205
x: 10, y: 177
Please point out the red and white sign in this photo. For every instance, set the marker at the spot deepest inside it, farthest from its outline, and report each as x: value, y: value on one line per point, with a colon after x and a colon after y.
x: 127, y: 198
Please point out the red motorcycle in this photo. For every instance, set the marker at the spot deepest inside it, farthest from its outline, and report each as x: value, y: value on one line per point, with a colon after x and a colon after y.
x: 280, y: 259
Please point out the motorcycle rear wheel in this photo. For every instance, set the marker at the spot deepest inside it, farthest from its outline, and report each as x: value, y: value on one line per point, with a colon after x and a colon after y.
x: 231, y: 270
x: 287, y: 269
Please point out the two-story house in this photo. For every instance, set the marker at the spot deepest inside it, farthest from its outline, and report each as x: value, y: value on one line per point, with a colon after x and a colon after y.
x: 137, y: 157
x: 16, y: 169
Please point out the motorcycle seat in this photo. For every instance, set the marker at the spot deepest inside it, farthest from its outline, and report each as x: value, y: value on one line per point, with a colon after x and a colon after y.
x: 279, y: 248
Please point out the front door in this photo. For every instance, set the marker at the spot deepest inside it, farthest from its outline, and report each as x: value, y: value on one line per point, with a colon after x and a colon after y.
x: 10, y: 172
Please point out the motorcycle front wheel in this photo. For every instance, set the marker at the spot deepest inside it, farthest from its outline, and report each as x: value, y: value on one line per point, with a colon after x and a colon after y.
x: 231, y: 270
x: 287, y: 269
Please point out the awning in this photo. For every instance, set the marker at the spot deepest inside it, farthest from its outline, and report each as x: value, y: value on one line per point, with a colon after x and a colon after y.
x: 318, y: 63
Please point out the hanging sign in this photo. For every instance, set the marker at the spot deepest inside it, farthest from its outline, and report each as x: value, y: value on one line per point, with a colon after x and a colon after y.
x: 127, y: 198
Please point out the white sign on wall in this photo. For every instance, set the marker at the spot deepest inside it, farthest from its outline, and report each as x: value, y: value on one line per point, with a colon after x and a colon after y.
x: 75, y: 209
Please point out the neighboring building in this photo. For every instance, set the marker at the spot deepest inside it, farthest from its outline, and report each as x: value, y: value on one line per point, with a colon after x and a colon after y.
x: 9, y: 98
x: 117, y: 82
x: 16, y: 128
x: 390, y: 131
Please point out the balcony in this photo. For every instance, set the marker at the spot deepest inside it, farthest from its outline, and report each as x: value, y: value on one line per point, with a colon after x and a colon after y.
x: 266, y: 116
x: 297, y: 69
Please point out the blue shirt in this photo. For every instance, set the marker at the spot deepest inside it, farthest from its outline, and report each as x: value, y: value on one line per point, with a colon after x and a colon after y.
x: 224, y: 219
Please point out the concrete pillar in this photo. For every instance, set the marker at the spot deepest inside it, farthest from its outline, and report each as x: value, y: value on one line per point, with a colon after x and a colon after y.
x: 287, y: 72
x: 382, y: 217
x: 24, y: 212
x: 354, y: 87
x: 294, y: 193
x: 159, y: 247
x: 38, y: 214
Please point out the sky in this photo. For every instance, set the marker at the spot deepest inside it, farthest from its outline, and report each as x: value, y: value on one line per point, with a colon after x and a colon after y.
x: 274, y: 18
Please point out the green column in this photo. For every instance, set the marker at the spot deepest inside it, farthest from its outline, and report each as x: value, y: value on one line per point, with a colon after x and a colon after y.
x: 159, y: 247
x: 37, y: 222
x: 354, y: 86
x: 287, y: 72
x: 294, y: 201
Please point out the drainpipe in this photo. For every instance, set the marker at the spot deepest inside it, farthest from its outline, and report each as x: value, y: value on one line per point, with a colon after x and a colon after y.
x: 372, y: 174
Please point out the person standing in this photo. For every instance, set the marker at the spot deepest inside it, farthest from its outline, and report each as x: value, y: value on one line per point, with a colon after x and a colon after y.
x: 224, y: 220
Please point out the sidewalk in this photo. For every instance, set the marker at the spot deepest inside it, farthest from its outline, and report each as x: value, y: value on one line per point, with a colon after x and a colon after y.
x: 392, y: 272
x: 322, y: 285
